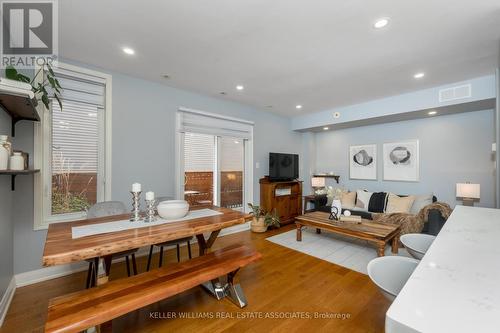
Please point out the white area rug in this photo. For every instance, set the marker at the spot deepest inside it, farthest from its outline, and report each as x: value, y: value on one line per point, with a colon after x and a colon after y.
x: 343, y: 251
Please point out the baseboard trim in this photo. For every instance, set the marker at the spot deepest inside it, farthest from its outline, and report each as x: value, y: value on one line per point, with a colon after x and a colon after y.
x: 49, y: 273
x: 6, y: 299
x: 235, y: 229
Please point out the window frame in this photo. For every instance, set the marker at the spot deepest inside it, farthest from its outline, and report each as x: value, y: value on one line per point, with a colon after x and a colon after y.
x: 42, y: 153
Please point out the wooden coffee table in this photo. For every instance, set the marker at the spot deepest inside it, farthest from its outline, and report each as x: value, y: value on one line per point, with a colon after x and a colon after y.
x: 378, y: 233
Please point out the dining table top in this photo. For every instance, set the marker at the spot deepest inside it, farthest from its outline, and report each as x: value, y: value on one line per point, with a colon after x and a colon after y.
x: 62, y: 248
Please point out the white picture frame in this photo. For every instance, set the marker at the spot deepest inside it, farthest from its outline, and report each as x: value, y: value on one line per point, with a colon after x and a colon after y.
x: 363, y: 162
x: 401, y: 161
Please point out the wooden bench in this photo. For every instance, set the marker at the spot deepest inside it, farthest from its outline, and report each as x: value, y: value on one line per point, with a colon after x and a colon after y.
x: 87, y: 308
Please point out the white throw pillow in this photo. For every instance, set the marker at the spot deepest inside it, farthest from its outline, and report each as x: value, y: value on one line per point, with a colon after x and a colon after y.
x: 348, y: 200
x: 397, y: 204
x: 420, y: 202
x: 363, y: 200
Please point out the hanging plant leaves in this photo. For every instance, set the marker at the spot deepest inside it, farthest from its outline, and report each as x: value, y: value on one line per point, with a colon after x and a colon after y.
x: 40, y: 89
x: 11, y: 73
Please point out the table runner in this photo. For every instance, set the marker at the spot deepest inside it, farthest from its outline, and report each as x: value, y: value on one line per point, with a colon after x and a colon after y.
x: 106, y: 227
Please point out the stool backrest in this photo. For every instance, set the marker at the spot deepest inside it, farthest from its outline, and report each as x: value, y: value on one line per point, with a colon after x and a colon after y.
x: 106, y: 208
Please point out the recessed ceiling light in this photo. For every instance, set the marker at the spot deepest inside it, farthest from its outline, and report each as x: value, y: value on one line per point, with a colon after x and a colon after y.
x: 326, y: 128
x: 128, y: 50
x: 381, y: 22
x: 239, y: 87
x: 419, y: 75
x: 431, y: 113
x: 298, y: 106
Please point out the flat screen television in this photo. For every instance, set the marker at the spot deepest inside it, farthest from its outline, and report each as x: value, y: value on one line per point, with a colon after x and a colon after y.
x: 283, y: 167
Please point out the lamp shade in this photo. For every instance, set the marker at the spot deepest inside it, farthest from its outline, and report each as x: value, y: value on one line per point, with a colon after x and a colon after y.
x: 467, y: 190
x: 318, y: 182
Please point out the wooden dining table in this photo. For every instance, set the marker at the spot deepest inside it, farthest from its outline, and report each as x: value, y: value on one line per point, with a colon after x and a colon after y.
x: 61, y: 248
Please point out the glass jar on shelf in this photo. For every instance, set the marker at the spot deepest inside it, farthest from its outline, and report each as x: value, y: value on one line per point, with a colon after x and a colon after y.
x: 5, y: 152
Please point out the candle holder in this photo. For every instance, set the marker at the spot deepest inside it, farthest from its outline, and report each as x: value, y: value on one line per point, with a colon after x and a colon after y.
x: 135, y: 216
x: 150, y: 211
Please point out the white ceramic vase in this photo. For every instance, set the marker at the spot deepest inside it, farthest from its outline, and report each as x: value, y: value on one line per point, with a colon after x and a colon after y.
x: 17, y: 161
x: 4, y: 158
x: 336, y: 208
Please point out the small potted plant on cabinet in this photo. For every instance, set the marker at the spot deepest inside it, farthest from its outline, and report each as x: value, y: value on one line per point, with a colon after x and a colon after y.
x: 261, y: 221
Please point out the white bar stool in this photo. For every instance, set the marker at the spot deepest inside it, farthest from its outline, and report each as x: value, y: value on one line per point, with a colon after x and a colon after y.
x: 417, y: 244
x: 390, y: 273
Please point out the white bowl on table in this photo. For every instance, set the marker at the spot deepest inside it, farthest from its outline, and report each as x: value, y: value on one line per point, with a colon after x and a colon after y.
x: 173, y: 209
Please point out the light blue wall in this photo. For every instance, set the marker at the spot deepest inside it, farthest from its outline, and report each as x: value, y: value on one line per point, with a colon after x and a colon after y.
x: 149, y: 109
x: 497, y: 122
x: 6, y: 223
x: 482, y: 88
x: 453, y: 148
x: 143, y: 149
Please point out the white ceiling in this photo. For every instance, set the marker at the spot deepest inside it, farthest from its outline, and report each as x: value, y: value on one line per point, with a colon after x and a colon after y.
x: 321, y: 54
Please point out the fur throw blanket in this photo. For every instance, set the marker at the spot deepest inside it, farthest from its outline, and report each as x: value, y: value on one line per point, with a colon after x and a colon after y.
x: 409, y: 223
x: 442, y: 207
x: 413, y: 223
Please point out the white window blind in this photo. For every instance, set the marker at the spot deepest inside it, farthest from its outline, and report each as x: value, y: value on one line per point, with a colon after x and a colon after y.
x: 82, y: 88
x: 231, y: 154
x: 75, y: 137
x: 199, y: 152
x: 213, y: 124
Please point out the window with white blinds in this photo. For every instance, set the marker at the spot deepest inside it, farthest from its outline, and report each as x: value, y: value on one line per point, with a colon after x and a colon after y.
x: 74, y: 166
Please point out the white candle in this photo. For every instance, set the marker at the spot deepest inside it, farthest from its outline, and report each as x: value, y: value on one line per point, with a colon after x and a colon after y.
x: 136, y: 187
x: 150, y: 195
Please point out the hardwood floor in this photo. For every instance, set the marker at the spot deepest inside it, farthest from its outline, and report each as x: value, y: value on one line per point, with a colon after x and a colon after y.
x: 284, y: 283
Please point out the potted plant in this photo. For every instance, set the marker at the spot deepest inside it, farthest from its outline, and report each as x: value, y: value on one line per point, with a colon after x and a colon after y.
x: 272, y: 220
x: 261, y: 221
x: 257, y: 224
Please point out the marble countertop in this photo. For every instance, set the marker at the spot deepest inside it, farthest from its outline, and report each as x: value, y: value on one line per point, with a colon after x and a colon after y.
x: 456, y: 286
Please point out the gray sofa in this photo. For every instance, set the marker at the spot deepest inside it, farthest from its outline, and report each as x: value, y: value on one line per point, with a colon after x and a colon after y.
x: 432, y: 227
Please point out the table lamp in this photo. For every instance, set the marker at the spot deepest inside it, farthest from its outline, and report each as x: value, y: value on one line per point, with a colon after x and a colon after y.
x: 468, y: 192
x: 317, y: 183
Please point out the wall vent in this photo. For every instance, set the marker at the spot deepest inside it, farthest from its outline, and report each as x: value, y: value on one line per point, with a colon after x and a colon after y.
x: 458, y: 92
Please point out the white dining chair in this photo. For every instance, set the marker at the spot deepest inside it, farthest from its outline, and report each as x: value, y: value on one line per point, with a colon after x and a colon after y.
x: 417, y: 244
x: 102, y: 209
x: 390, y: 273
